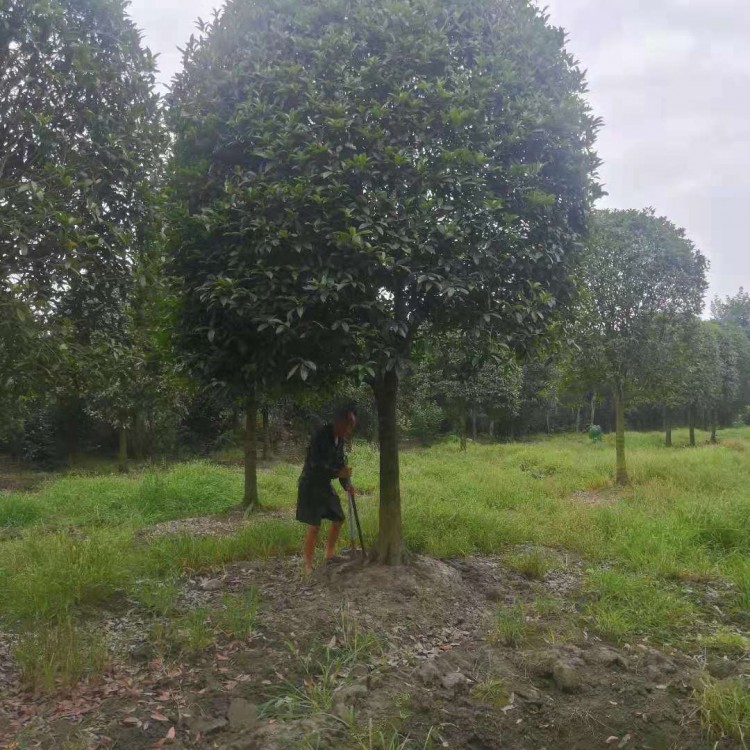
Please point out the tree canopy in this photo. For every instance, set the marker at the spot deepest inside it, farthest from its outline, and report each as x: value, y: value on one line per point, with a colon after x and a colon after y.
x: 365, y: 169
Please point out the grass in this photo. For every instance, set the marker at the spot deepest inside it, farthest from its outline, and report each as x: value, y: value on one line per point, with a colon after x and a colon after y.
x: 75, y: 547
x: 493, y: 692
x: 725, y: 709
x: 534, y: 564
x: 59, y: 655
x: 629, y: 605
x: 510, y: 626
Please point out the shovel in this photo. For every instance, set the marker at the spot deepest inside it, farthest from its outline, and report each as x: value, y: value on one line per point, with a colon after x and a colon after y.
x: 354, y: 518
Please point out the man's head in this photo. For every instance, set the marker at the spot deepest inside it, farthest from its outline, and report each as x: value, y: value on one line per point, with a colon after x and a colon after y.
x: 344, y: 422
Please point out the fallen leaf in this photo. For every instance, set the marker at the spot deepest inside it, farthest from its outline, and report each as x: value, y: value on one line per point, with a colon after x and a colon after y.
x: 611, y: 739
x: 624, y: 741
x: 156, y: 716
x: 171, y: 733
x: 131, y: 721
x: 332, y: 642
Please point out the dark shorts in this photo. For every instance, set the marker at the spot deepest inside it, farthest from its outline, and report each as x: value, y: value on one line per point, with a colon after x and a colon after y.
x: 316, y: 503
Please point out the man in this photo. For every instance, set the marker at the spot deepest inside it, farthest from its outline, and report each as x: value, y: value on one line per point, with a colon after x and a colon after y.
x: 316, y: 498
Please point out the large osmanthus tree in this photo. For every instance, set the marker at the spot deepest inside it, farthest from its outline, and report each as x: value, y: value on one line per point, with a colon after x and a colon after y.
x: 643, y: 278
x: 359, y: 170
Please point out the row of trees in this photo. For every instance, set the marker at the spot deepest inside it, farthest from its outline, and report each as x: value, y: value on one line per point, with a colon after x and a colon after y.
x: 392, y: 195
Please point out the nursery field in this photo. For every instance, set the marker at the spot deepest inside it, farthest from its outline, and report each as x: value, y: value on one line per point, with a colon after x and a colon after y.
x: 541, y: 607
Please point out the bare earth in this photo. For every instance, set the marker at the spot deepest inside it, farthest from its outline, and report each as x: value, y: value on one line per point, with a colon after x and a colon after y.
x: 438, y: 670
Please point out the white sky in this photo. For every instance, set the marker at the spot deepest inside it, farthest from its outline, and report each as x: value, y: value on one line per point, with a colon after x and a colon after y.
x: 670, y: 78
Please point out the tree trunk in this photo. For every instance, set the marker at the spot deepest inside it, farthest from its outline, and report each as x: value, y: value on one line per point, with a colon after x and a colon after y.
x: 691, y: 425
x: 549, y: 430
x: 622, y: 471
x: 122, y: 453
x: 714, y: 426
x: 462, y: 429
x: 593, y: 409
x: 474, y: 425
x: 578, y: 420
x: 266, y: 435
x: 139, y: 435
x: 667, y: 427
x: 492, y: 429
x: 250, y: 500
x: 390, y: 544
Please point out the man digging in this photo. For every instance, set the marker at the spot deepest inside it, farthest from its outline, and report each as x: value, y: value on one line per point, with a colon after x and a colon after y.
x: 316, y: 498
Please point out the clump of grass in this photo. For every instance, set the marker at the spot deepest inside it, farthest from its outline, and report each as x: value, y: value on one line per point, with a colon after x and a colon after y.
x: 186, y: 634
x: 535, y: 564
x: 510, y: 626
x: 353, y: 643
x: 236, y: 615
x: 725, y: 709
x: 493, y: 691
x: 156, y: 595
x: 726, y: 641
x: 629, y: 605
x: 314, y: 695
x: 59, y: 655
x: 390, y: 739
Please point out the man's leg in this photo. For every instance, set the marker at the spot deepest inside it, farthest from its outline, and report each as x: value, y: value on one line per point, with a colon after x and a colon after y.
x: 308, y: 551
x: 333, y: 537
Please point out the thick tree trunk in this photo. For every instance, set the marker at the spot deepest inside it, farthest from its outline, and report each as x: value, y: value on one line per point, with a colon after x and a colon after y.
x: 667, y: 427
x: 266, y: 435
x: 474, y: 425
x: 622, y: 471
x: 122, y: 453
x: 691, y: 425
x: 250, y: 500
x: 390, y: 544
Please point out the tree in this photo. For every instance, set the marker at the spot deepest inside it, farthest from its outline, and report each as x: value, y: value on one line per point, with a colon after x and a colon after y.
x: 642, y: 276
x: 80, y: 137
x: 365, y: 169
x: 734, y: 310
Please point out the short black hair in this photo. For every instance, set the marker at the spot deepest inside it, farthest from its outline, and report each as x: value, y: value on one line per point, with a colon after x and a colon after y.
x: 344, y: 413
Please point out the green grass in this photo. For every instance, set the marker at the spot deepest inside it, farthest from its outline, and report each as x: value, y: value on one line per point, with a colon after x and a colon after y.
x: 725, y: 709
x: 630, y: 605
x: 510, y: 626
x: 77, y: 547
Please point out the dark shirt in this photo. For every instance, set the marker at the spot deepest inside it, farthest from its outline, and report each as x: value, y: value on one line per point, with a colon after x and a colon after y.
x: 325, y: 458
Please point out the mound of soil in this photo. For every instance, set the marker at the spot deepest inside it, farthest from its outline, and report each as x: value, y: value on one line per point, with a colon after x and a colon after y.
x: 358, y: 648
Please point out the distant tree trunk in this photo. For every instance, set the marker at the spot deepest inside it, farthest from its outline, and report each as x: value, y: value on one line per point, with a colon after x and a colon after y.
x: 492, y: 429
x: 462, y: 428
x: 266, y: 434
x: 714, y: 426
x: 578, y: 420
x: 593, y: 409
x: 139, y: 433
x: 549, y: 430
x: 691, y: 425
x: 250, y: 500
x: 474, y: 424
x: 390, y: 543
x: 667, y: 427
x: 122, y: 453
x: 512, y: 431
x: 622, y: 471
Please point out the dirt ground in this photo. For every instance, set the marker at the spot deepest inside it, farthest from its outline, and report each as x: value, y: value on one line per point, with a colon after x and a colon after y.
x: 357, y: 650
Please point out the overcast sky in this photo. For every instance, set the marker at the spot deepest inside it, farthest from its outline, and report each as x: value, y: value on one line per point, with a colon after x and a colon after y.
x: 670, y: 78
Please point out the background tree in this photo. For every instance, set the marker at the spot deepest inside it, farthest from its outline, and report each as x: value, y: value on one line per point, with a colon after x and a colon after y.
x: 81, y: 138
x: 733, y: 310
x: 382, y: 166
x: 642, y: 275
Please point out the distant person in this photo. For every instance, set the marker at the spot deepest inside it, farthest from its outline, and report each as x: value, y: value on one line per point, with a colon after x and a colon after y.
x: 316, y: 498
